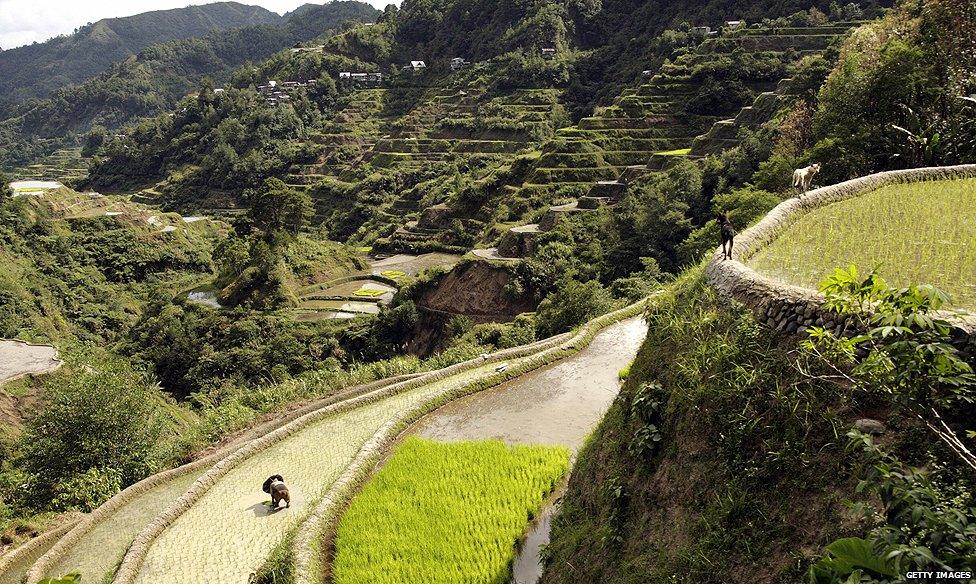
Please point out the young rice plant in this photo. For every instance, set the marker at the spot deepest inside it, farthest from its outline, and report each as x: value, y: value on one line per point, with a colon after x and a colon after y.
x: 445, y: 513
x: 919, y: 233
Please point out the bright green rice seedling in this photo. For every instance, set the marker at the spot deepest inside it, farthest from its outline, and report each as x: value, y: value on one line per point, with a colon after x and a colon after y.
x: 678, y: 152
x: 366, y: 292
x: 445, y: 513
x: 920, y: 233
x: 393, y: 274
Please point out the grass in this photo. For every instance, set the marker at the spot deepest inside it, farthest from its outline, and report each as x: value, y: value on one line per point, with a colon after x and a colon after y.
x: 921, y: 233
x: 366, y: 292
x: 678, y: 152
x: 445, y: 513
x: 748, y: 468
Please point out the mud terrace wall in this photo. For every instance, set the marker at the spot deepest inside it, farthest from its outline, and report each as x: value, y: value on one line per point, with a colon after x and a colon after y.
x: 81, y: 528
x: 789, y: 308
x: 321, y: 523
x: 137, y: 552
x: 42, y: 541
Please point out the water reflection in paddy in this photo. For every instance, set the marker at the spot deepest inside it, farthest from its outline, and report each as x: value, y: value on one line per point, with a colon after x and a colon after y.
x: 559, y: 404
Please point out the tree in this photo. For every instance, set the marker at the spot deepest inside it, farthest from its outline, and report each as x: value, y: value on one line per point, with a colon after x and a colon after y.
x: 572, y: 304
x: 277, y: 208
x: 98, y: 422
x: 5, y: 191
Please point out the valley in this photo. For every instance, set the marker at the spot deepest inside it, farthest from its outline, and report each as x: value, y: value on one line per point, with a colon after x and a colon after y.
x: 450, y: 270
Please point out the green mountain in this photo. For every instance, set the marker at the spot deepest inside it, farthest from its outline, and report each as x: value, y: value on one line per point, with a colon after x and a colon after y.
x: 39, y: 69
x: 153, y: 80
x: 551, y: 161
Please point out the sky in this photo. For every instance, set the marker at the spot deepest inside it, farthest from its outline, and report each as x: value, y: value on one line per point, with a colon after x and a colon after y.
x: 25, y: 21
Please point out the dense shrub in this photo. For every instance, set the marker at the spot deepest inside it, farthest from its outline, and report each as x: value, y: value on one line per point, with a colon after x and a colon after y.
x: 573, y: 303
x: 97, y: 431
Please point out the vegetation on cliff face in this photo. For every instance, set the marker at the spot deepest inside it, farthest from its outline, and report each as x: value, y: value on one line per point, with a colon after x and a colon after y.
x: 730, y: 454
x: 713, y: 461
x: 901, y: 93
x: 84, y: 278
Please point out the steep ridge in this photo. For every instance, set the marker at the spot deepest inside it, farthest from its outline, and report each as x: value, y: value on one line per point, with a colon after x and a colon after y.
x: 37, y: 70
x: 152, y: 79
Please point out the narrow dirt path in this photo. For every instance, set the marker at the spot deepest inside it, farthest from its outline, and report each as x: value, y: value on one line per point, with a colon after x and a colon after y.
x: 229, y: 532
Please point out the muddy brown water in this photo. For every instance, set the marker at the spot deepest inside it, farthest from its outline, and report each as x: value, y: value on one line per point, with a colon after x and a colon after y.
x: 413, y: 264
x: 559, y: 404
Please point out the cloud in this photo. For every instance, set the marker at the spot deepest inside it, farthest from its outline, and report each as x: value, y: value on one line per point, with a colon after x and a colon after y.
x: 25, y: 21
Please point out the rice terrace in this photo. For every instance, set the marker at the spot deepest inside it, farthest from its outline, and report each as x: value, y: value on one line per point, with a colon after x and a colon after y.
x: 456, y: 519
x: 488, y: 292
x: 918, y: 233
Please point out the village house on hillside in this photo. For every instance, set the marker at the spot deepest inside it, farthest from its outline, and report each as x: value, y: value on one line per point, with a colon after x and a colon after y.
x: 275, y: 93
x: 735, y: 24
x: 458, y: 63
x: 415, y: 66
x: 360, y: 79
x: 548, y: 52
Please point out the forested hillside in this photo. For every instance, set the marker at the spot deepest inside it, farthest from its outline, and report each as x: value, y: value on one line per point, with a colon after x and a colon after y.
x: 271, y: 214
x: 36, y: 70
x: 152, y: 80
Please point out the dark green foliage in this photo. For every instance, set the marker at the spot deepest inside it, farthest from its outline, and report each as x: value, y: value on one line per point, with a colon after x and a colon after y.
x: 38, y: 69
x: 198, y: 350
x: 5, y: 191
x: 571, y: 304
x: 235, y: 138
x: 654, y: 218
x: 521, y: 331
x: 897, y: 97
x: 742, y: 206
x: 84, y: 278
x: 277, y: 208
x: 928, y: 516
x: 719, y: 97
x: 384, y: 336
x: 153, y: 80
x: 718, y: 452
x: 96, y: 432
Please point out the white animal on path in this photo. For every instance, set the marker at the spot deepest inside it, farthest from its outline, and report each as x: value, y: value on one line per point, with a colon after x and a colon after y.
x: 803, y: 177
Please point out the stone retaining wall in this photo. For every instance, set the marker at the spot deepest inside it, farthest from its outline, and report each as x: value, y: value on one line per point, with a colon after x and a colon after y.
x: 324, y: 518
x: 32, y: 547
x: 790, y: 308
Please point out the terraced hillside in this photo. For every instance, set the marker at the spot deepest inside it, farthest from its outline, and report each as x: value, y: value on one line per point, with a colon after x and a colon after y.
x: 667, y: 115
x: 170, y: 524
x: 453, y: 123
x: 66, y: 165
